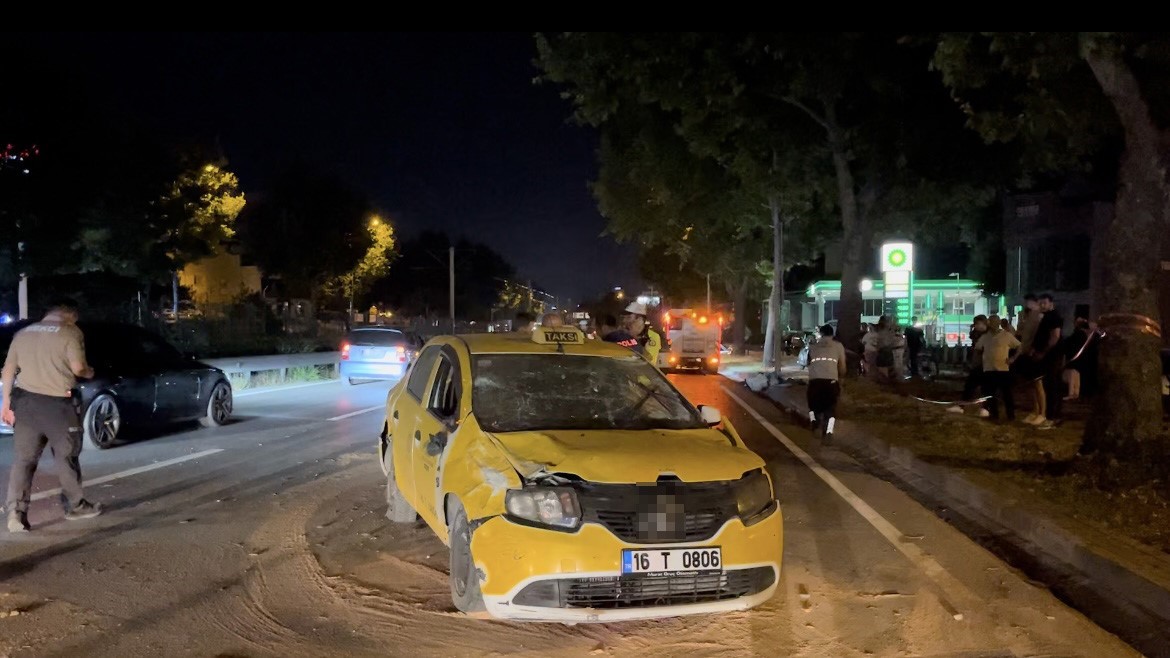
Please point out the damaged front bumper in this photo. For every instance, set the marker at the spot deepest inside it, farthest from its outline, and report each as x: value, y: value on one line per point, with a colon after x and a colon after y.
x: 535, y: 574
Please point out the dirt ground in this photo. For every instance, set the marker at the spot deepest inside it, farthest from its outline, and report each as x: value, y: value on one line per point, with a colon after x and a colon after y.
x: 1040, y: 462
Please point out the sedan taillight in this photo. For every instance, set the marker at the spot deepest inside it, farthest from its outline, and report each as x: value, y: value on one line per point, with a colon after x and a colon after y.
x: 345, y: 351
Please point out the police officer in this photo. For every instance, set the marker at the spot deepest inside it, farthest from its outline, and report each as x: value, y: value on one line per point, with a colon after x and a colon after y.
x: 43, y: 364
x: 826, y: 369
x: 649, y: 341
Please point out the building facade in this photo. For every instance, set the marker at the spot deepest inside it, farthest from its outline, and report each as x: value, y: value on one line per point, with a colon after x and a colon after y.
x: 221, y: 278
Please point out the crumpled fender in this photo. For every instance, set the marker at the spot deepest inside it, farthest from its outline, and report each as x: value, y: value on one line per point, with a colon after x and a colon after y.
x: 476, y: 471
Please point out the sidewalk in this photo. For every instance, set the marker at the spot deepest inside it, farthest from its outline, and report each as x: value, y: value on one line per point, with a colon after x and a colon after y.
x: 994, y: 483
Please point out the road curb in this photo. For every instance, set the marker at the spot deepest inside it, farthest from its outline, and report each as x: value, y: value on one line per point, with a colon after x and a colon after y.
x: 1122, y: 586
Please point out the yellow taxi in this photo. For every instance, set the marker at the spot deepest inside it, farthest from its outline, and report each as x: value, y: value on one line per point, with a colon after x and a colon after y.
x: 573, y: 483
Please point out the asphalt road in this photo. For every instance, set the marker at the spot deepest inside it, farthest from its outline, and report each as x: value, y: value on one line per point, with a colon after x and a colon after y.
x: 266, y: 538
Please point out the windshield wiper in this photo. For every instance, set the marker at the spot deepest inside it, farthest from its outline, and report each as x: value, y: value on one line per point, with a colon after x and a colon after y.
x: 650, y: 393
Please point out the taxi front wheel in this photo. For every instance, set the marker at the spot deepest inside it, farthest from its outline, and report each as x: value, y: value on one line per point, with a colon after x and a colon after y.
x: 465, y: 593
x: 397, y: 509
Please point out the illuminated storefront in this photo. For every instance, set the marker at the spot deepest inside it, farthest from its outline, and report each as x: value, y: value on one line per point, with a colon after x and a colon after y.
x: 945, y: 307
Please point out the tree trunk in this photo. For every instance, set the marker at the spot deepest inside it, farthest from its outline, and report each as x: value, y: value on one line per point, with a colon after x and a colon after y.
x: 740, y: 321
x: 1127, y: 419
x: 175, y: 293
x: 774, y: 332
x: 854, y: 239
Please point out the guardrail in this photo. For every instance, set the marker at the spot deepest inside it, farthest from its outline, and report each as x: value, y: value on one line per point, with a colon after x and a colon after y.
x: 247, y: 367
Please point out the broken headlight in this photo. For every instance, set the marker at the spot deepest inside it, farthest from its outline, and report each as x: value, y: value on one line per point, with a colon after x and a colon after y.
x: 753, y: 497
x: 554, y: 507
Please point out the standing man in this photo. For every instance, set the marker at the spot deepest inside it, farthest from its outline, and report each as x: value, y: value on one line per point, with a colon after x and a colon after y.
x: 995, y: 348
x: 523, y: 323
x: 1049, y: 359
x: 826, y: 369
x: 649, y: 342
x: 43, y: 364
x: 915, y: 340
x: 1027, y: 324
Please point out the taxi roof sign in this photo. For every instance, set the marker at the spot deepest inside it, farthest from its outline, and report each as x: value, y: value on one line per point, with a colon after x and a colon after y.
x: 558, y: 336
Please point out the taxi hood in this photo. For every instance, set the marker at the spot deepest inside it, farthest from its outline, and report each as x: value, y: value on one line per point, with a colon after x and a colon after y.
x: 626, y: 456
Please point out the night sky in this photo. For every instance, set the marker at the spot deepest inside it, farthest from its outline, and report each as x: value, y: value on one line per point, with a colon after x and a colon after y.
x: 442, y: 131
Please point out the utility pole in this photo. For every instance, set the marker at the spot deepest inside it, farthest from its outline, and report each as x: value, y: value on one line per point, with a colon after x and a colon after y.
x: 22, y: 288
x: 451, y: 265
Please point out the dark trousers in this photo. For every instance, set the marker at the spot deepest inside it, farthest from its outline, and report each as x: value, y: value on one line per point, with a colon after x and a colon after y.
x: 823, y: 396
x: 999, y: 386
x: 1054, y: 390
x: 44, y: 420
x: 973, y: 382
x: 914, y: 352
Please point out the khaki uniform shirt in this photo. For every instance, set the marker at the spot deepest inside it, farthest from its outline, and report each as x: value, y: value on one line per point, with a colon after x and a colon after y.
x: 41, y: 355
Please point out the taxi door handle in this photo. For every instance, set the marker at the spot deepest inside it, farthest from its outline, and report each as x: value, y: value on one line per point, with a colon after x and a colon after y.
x: 395, y: 414
x: 417, y: 435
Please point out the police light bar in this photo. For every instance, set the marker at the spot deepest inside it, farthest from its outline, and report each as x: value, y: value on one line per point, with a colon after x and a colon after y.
x: 558, y: 336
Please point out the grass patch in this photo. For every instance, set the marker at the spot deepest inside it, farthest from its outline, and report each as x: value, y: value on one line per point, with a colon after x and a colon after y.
x: 1040, y: 465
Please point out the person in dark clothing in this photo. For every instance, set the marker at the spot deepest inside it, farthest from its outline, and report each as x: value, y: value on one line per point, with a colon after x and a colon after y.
x: 975, y: 377
x: 611, y: 332
x: 915, y: 340
x: 1049, y: 359
x: 1080, y: 356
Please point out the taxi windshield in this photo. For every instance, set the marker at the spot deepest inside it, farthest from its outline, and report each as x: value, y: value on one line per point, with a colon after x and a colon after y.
x: 521, y: 392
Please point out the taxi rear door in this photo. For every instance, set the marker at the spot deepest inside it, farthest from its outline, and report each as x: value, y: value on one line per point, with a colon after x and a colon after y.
x: 436, y: 422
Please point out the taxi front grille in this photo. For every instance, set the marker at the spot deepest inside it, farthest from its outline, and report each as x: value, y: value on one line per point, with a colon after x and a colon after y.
x: 646, y: 591
x: 630, y: 527
x: 665, y: 512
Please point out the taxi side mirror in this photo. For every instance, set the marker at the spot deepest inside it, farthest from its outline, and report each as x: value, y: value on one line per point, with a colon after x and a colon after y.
x: 710, y: 415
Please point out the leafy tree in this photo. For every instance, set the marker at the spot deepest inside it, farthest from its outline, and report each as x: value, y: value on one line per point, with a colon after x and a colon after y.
x: 791, y: 117
x: 308, y: 229
x: 1069, y: 98
x: 194, y: 217
x: 373, y: 265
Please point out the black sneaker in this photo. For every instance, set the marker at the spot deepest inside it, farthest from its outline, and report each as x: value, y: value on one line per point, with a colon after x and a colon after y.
x: 84, y: 510
x: 827, y: 439
x: 18, y: 522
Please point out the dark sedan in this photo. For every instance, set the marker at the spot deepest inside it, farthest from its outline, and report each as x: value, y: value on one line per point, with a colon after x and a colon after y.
x: 140, y: 379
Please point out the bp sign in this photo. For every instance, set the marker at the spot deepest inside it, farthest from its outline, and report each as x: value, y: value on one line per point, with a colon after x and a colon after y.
x: 897, y: 257
x: 898, y: 280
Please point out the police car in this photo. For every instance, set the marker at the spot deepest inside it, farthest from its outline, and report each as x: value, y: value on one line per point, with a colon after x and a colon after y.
x: 573, y: 483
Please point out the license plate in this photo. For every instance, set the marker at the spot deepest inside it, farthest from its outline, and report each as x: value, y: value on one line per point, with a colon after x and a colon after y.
x: 374, y: 354
x: 653, y: 561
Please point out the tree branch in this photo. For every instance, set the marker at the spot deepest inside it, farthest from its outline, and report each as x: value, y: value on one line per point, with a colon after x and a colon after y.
x: 795, y: 102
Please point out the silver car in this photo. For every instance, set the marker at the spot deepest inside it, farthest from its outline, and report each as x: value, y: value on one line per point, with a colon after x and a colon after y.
x: 371, y: 353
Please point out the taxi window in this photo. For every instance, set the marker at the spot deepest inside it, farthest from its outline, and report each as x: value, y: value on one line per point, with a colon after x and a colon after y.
x: 444, y: 398
x: 519, y: 392
x: 420, y: 373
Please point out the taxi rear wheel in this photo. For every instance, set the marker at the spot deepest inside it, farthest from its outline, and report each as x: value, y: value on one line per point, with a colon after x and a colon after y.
x: 397, y: 509
x: 465, y: 592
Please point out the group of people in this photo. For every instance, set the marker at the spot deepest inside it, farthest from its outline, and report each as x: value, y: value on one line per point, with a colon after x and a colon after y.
x: 1054, y: 368
x: 633, y: 330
